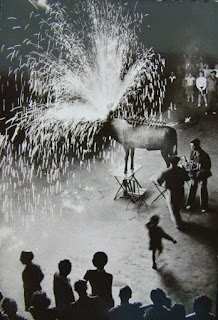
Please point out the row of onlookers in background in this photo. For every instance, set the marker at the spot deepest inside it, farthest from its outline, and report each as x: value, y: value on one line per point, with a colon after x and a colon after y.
x: 202, y: 82
x: 207, y: 84
x: 97, y: 306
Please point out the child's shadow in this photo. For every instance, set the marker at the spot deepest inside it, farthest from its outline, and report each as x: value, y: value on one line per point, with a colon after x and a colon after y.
x: 169, y: 280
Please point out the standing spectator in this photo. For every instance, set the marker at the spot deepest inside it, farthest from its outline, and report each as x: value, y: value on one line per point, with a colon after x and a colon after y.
x: 174, y: 179
x: 189, y: 86
x: 202, y: 309
x: 126, y: 310
x: 100, y: 280
x: 40, y: 307
x: 157, y: 311
x: 156, y: 234
x: 211, y: 92
x: 32, y: 276
x: 216, y: 70
x: 201, y: 84
x: 62, y: 289
x: 171, y: 90
x: 9, y: 307
x: 206, y: 71
x: 200, y: 172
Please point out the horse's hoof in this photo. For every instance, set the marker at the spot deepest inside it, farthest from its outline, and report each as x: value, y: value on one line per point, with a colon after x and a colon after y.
x: 132, y: 168
x: 125, y: 171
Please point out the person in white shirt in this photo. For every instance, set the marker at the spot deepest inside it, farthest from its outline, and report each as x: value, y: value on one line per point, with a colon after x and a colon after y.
x: 189, y: 86
x: 201, y: 84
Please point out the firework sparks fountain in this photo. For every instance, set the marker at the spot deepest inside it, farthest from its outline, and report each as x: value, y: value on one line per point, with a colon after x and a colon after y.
x: 79, y: 71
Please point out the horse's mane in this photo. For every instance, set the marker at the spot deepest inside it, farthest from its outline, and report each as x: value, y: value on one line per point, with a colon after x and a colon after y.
x: 143, y: 121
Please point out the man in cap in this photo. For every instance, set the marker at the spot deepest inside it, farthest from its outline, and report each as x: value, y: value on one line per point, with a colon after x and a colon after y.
x: 174, y: 179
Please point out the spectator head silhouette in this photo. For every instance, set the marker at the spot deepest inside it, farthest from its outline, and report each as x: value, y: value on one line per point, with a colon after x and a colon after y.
x: 202, y: 305
x: 178, y: 311
x: 125, y: 294
x: 40, y: 301
x: 64, y: 267
x: 99, y: 260
x: 80, y: 287
x: 159, y: 297
x: 174, y: 160
x: 9, y: 306
x: 26, y: 257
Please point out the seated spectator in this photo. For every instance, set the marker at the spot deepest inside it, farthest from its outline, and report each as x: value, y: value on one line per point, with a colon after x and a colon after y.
x: 100, y: 280
x: 32, y: 276
x: 9, y: 307
x: 3, y: 316
x: 62, y: 289
x: 202, y: 309
x: 159, y: 309
x: 177, y: 312
x: 86, y: 307
x: 189, y: 86
x: 126, y: 310
x: 40, y: 307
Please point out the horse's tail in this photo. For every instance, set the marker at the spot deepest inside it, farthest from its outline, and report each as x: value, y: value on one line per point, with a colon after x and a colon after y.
x: 175, y: 151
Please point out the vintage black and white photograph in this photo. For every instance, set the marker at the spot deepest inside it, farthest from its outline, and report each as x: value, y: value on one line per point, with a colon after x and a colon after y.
x: 108, y: 159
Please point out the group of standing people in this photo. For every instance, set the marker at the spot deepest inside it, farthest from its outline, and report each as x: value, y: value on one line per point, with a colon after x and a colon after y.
x: 197, y: 171
x: 99, y: 305
x: 206, y: 84
x: 92, y: 307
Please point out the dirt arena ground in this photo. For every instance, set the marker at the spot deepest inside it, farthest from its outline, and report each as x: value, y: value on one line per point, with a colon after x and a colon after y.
x: 80, y: 217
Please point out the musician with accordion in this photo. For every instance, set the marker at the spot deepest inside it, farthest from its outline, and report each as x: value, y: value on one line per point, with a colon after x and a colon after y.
x: 199, y: 171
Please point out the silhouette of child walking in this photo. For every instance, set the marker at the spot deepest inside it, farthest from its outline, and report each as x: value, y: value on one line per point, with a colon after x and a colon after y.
x: 156, y: 234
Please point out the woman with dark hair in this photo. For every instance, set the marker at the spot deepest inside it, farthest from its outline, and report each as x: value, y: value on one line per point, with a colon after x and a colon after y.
x: 32, y: 276
x: 40, y: 307
x: 9, y: 306
x: 202, y: 309
x: 100, y: 280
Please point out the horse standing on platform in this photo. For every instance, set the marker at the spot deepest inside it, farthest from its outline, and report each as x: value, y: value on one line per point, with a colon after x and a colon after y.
x: 150, y: 136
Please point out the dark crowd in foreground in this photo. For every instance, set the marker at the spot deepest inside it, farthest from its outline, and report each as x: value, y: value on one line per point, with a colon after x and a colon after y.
x: 99, y: 305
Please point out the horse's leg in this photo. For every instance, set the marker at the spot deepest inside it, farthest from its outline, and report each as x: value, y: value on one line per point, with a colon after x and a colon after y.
x: 132, y: 150
x: 165, y: 155
x: 126, y: 158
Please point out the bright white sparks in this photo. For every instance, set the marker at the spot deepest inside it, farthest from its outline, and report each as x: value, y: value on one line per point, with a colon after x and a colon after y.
x: 79, y: 71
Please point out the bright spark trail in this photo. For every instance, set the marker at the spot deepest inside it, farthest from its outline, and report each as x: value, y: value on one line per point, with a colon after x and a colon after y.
x: 79, y: 71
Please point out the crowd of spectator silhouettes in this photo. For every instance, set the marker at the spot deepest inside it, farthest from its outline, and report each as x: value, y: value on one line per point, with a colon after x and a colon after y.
x: 99, y: 305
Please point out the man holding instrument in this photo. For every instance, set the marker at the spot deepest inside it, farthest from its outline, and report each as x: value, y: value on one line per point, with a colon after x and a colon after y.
x: 200, y: 165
